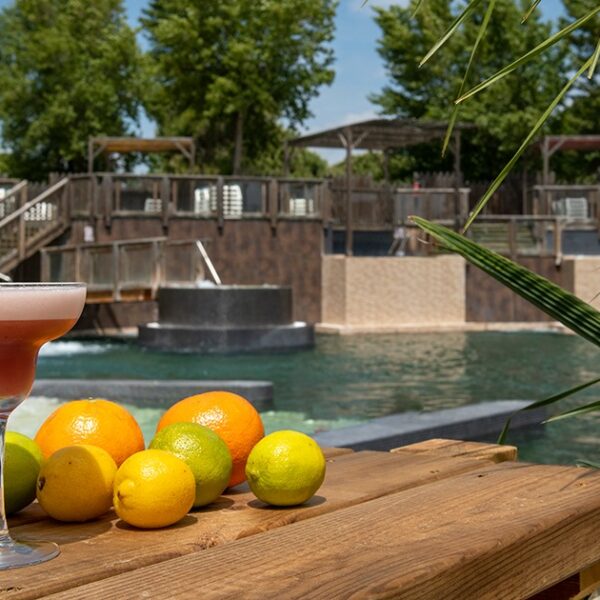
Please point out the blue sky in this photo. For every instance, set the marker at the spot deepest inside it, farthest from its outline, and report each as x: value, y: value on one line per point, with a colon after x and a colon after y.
x: 359, y: 70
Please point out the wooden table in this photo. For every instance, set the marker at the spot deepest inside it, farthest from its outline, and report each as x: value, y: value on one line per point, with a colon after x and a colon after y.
x: 440, y: 520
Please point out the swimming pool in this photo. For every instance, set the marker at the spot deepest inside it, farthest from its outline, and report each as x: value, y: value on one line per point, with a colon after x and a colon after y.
x: 349, y: 379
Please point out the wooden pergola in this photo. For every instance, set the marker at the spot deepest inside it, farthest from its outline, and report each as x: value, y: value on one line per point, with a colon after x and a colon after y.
x: 551, y: 144
x: 384, y: 135
x: 124, y: 145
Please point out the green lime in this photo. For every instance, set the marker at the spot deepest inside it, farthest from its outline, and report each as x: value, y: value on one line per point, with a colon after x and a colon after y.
x: 22, y: 463
x: 203, y: 451
x: 285, y: 468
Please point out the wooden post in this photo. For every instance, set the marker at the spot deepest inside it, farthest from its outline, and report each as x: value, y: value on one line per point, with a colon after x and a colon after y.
x: 347, y: 137
x: 220, y: 212
x: 78, y: 263
x: 116, y: 272
x: 21, y: 236
x: 512, y: 238
x: 165, y: 201
x: 273, y: 199
x: 557, y: 241
x: 45, y: 265
x: 546, y: 171
x: 156, y: 274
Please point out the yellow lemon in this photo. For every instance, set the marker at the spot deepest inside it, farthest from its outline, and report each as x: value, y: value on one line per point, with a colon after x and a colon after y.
x: 153, y: 489
x: 285, y: 468
x: 22, y: 462
x: 204, y: 452
x: 75, y: 483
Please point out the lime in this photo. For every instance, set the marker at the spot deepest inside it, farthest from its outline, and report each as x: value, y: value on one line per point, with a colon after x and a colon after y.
x: 153, y: 489
x: 22, y: 463
x: 75, y: 483
x: 205, y: 453
x: 285, y: 468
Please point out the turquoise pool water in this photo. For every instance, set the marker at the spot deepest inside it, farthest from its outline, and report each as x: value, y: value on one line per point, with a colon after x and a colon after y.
x: 348, y: 379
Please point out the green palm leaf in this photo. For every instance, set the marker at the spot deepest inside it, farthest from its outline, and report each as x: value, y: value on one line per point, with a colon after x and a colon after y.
x: 529, y: 55
x: 524, y: 145
x: 450, y: 31
x: 530, y: 10
x: 594, y: 60
x: 561, y: 305
x: 482, y: 29
x: 547, y: 402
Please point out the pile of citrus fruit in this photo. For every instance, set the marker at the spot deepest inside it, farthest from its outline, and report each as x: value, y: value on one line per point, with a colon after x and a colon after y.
x: 89, y: 456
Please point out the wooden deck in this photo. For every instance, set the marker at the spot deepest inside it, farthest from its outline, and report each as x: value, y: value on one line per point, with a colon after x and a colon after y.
x: 440, y: 519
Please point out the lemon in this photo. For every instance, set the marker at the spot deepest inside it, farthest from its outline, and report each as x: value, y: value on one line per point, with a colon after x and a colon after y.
x: 204, y: 452
x: 285, y: 468
x: 153, y: 489
x: 75, y: 483
x: 22, y: 462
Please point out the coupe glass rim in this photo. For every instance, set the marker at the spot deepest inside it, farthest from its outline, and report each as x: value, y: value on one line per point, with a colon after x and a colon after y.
x: 38, y: 284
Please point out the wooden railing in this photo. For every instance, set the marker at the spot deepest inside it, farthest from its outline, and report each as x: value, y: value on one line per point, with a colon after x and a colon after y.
x: 30, y: 224
x: 108, y: 195
x: 127, y: 269
x: 520, y: 235
x: 385, y: 208
x: 578, y: 202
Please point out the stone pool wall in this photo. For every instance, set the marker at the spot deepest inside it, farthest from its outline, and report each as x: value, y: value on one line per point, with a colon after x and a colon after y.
x: 388, y: 291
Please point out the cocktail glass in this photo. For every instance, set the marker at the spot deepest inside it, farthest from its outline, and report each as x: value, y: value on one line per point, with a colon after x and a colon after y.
x: 31, y: 314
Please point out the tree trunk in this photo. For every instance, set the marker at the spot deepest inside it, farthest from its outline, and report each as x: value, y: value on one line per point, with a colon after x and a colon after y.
x: 239, y: 142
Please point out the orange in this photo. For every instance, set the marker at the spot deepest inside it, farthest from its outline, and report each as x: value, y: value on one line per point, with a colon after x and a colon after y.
x: 227, y: 414
x: 95, y: 422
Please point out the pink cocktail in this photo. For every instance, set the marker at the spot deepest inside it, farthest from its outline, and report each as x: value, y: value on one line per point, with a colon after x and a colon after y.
x: 30, y: 315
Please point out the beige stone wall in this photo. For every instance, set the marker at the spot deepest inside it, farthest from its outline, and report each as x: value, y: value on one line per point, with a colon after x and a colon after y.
x: 333, y: 278
x: 584, y: 272
x: 393, y: 291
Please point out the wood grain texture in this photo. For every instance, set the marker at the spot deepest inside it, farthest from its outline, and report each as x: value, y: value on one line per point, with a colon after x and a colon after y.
x: 102, y: 548
x: 440, y: 447
x: 507, y: 531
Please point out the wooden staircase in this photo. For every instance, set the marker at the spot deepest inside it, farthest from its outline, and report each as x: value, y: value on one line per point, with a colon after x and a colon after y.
x: 525, y: 238
x: 26, y: 225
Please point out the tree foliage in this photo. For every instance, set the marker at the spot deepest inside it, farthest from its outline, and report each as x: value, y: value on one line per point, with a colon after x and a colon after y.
x: 229, y: 72
x: 69, y: 69
x: 583, y: 114
x: 504, y: 114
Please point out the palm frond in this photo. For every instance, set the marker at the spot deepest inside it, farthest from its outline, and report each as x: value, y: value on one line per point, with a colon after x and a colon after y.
x: 546, y: 402
x: 594, y: 60
x: 530, y: 10
x: 482, y: 29
x: 453, y: 27
x: 511, y: 163
x: 529, y: 55
x: 561, y: 305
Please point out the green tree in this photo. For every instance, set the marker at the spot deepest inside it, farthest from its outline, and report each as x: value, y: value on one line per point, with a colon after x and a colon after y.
x: 229, y: 72
x: 583, y: 115
x: 69, y: 69
x: 503, y: 116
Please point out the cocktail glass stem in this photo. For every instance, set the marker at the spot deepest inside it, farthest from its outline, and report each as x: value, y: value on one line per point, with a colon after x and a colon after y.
x: 4, y: 537
x: 12, y: 552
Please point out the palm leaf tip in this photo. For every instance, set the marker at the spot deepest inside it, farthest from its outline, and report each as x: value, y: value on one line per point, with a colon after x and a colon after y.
x: 556, y: 302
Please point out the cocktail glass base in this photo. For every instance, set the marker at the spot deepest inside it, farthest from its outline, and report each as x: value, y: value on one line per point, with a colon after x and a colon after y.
x: 15, y: 554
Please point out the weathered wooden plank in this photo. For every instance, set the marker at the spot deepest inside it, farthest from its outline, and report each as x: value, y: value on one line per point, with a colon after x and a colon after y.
x: 102, y: 548
x: 441, y: 447
x: 506, y: 531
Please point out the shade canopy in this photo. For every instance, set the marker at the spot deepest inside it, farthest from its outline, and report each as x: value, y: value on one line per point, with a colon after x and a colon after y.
x: 378, y: 134
x: 550, y: 144
x: 123, y: 145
